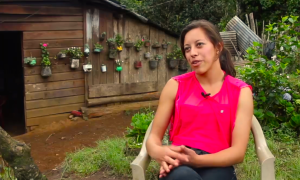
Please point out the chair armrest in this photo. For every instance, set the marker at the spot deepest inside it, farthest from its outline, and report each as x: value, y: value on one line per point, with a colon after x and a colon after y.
x: 141, y: 162
x: 266, y: 158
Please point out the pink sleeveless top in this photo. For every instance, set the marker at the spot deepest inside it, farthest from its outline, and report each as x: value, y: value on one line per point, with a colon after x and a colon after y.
x: 204, y: 123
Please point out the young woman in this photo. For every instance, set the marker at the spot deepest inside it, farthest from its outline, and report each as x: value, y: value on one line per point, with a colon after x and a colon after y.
x: 209, y: 112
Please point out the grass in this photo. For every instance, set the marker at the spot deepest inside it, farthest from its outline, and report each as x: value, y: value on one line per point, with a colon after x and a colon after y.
x: 109, y: 155
x: 287, y: 162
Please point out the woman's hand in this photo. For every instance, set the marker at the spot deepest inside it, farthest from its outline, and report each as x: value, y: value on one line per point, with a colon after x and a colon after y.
x: 191, y: 155
x: 171, y: 155
x: 164, y: 169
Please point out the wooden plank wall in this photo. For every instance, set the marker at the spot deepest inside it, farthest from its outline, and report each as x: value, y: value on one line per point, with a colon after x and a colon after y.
x: 61, y: 27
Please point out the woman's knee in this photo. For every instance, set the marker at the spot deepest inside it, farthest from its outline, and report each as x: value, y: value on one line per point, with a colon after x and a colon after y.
x: 182, y: 173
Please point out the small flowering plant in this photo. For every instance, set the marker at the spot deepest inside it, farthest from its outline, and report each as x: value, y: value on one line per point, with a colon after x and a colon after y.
x: 74, y: 52
x: 138, y: 45
x: 45, y: 55
x: 119, y: 62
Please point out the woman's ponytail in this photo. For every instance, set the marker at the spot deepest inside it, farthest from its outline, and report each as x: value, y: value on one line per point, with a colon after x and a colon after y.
x: 226, y: 62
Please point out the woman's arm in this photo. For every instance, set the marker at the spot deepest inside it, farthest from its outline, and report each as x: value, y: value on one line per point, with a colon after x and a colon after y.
x: 160, y: 124
x: 235, y: 154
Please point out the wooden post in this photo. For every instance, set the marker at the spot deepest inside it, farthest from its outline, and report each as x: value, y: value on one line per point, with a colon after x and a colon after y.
x: 256, y: 26
x: 262, y: 33
x: 252, y: 22
x: 247, y: 20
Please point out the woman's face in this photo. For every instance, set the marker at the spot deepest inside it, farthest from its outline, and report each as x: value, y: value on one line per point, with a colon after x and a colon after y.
x: 199, y: 51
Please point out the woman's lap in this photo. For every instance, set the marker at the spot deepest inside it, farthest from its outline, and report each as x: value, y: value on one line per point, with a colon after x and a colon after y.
x: 186, y: 172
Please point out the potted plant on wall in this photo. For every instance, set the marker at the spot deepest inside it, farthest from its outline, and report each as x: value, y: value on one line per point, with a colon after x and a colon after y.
x: 147, y: 43
x: 46, y: 64
x: 156, y: 45
x: 111, y: 42
x: 75, y: 54
x: 172, y: 60
x: 147, y: 55
x: 158, y: 57
x: 62, y: 54
x: 165, y: 44
x: 119, y: 42
x: 98, y: 47
x: 138, y: 45
x: 183, y: 65
x: 119, y: 65
x: 138, y: 64
x: 102, y: 37
x: 153, y: 63
x: 128, y: 43
x: 31, y: 61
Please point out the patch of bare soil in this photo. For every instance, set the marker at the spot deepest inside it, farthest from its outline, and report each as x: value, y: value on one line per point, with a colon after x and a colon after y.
x: 50, y: 144
x: 100, y: 175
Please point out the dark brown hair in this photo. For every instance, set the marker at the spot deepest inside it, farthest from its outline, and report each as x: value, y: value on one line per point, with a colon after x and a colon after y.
x: 215, y: 38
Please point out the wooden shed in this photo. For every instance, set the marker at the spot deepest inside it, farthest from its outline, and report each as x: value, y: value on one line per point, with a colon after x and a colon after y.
x: 32, y: 100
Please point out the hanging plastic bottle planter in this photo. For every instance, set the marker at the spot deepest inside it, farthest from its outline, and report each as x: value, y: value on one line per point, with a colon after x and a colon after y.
x: 119, y: 65
x: 102, y: 37
x: 113, y: 54
x: 86, y: 50
x: 103, y: 68
x: 97, y: 48
x: 31, y: 61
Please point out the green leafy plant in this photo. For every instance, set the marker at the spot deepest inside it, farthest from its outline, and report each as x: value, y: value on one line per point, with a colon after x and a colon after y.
x: 74, y: 52
x: 176, y: 53
x: 139, y: 43
x: 166, y: 43
x: 111, y: 41
x: 274, y: 81
x: 98, y: 46
x: 119, y: 40
x: 158, y: 57
x: 45, y: 55
x: 140, y: 123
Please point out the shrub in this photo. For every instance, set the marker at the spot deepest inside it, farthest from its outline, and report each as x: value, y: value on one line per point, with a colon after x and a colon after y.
x: 140, y: 124
x: 274, y: 81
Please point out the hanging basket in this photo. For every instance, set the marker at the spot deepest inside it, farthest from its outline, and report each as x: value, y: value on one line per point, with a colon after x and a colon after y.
x: 147, y: 44
x: 31, y: 61
x: 164, y: 46
x: 111, y: 44
x: 62, y: 55
x: 172, y: 63
x: 183, y: 65
x: 128, y: 44
x: 97, y: 50
x: 156, y: 45
x: 153, y: 64
x: 74, y: 63
x: 119, y: 68
x: 46, y: 71
x: 113, y: 53
x: 147, y: 55
x: 138, y: 64
x: 138, y: 49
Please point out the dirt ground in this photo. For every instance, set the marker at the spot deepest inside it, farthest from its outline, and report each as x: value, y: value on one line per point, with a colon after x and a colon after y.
x: 50, y: 144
